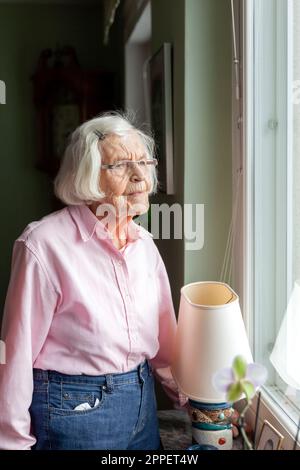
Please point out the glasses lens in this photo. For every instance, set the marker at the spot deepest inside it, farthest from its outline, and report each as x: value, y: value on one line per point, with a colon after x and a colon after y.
x: 122, y: 167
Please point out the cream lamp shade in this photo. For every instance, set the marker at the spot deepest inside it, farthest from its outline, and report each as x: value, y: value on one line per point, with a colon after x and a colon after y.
x: 210, y: 334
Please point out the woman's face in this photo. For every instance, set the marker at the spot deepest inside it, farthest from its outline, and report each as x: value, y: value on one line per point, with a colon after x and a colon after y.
x: 131, y: 188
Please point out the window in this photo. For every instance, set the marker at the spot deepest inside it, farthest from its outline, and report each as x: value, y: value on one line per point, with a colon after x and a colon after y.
x: 271, y: 183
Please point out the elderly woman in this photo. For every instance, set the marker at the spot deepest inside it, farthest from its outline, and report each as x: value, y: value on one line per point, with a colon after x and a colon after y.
x: 88, y: 314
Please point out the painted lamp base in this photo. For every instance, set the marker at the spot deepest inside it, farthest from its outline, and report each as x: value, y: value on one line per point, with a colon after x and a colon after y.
x: 221, y: 439
x: 211, y: 424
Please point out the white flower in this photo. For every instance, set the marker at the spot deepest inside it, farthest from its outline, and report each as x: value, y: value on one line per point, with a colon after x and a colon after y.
x: 241, y: 378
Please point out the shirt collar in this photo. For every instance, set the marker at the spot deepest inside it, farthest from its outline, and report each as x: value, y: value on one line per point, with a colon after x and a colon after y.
x: 87, y: 224
x: 85, y: 220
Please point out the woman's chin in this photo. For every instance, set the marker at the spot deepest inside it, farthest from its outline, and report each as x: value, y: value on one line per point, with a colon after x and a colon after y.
x: 138, y: 203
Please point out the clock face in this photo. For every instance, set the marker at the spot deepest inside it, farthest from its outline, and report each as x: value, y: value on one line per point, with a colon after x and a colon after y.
x: 65, y: 119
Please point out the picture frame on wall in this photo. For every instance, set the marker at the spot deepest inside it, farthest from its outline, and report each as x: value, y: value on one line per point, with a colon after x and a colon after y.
x: 270, y: 438
x: 159, y: 78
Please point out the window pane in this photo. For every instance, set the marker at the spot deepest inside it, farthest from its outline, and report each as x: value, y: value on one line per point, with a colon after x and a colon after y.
x: 288, y: 342
x: 296, y: 146
x: 295, y: 396
x: 275, y: 132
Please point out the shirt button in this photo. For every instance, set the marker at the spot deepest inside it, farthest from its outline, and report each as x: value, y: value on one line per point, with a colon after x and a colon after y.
x: 120, y: 262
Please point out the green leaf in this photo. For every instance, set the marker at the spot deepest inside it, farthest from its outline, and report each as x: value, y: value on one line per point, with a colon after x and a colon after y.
x: 234, y: 391
x: 248, y: 389
x: 239, y: 367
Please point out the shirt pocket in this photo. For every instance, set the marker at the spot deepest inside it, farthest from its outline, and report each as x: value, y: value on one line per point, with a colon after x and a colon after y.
x: 65, y: 397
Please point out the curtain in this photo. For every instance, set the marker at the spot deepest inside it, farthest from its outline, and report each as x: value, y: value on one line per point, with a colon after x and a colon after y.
x: 110, y: 7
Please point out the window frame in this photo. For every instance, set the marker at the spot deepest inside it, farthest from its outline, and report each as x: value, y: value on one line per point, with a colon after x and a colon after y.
x: 263, y: 104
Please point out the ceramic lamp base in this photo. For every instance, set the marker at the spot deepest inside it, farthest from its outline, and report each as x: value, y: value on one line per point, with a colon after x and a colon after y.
x: 211, y: 423
x: 221, y: 439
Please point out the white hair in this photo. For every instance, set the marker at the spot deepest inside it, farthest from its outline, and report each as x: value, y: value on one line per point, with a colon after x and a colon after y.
x: 78, y: 179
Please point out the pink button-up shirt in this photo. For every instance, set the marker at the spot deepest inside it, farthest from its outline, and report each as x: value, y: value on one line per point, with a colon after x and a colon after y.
x: 78, y: 305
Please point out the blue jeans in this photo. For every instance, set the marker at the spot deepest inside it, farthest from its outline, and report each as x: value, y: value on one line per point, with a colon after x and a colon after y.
x: 123, y: 411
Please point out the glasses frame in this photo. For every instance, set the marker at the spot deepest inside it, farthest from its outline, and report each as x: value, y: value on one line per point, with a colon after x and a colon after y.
x: 114, y: 166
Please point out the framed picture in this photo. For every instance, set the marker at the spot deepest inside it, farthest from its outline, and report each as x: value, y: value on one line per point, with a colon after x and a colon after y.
x: 161, y: 114
x: 270, y: 438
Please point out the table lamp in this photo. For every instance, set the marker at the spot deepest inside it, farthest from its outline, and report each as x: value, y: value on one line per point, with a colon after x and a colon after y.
x: 210, y: 334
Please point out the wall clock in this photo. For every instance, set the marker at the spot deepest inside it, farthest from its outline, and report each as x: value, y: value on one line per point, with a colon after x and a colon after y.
x: 65, y: 95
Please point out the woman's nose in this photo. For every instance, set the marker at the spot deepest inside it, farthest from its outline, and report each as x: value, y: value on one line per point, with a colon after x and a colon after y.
x: 136, y: 173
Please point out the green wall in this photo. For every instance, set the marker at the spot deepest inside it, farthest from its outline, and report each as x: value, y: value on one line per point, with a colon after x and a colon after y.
x: 25, y: 192
x: 207, y: 167
x: 168, y: 25
x: 200, y: 31
x: 201, y: 36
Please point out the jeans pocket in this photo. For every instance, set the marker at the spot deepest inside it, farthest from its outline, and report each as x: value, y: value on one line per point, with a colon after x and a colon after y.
x: 88, y: 398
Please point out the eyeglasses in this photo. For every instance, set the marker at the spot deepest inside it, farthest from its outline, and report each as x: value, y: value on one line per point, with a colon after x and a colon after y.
x: 123, y: 166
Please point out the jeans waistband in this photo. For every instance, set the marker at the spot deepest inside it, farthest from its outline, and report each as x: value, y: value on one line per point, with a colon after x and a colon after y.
x: 142, y: 371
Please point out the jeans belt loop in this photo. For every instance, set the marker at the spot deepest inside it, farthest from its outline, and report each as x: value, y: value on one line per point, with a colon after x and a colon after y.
x: 141, y: 371
x: 109, y: 383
